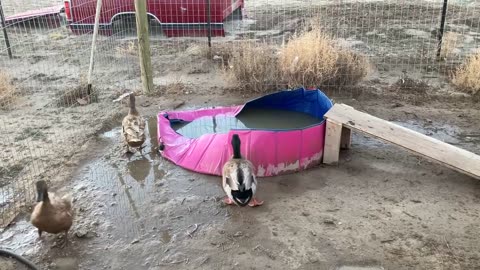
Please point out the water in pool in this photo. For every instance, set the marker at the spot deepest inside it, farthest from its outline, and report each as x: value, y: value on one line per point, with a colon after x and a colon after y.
x: 252, y: 118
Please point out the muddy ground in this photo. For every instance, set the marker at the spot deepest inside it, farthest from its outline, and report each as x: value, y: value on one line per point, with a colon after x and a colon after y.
x: 381, y: 207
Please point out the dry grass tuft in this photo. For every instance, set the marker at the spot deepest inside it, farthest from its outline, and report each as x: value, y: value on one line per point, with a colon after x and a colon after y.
x: 309, y: 59
x: 223, y: 52
x: 57, y: 36
x: 8, y: 92
x: 410, y: 90
x: 351, y: 68
x: 252, y: 67
x: 312, y: 59
x: 449, y: 43
x: 408, y: 85
x: 467, y: 76
x: 129, y: 48
x: 201, y: 50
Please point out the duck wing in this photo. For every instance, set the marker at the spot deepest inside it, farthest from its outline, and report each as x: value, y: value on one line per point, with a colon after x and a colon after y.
x: 134, y: 129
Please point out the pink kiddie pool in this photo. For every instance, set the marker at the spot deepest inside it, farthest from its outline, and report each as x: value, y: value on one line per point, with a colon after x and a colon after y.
x: 273, y: 151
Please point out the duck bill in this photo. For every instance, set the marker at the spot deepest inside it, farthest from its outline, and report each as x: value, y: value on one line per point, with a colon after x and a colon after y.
x: 40, y: 196
x: 240, y: 202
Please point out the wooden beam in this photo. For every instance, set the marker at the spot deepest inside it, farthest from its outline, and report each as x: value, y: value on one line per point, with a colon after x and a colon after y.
x: 144, y: 45
x: 448, y: 155
x: 93, y: 48
x: 346, y: 140
x: 333, y: 135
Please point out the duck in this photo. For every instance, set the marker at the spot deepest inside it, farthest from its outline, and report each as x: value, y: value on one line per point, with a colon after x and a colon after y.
x: 238, y: 178
x: 133, y: 126
x: 52, y: 214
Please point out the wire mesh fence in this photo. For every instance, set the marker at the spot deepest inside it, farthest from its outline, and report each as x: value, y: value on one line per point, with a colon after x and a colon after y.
x: 47, y: 113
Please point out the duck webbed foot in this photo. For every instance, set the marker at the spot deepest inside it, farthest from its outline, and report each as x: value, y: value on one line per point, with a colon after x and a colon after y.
x: 254, y: 202
x: 227, y: 200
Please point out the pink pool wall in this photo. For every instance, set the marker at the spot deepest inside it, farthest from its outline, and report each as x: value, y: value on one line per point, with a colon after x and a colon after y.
x: 271, y: 152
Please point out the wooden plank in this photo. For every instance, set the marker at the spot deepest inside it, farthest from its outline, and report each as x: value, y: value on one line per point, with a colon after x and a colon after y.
x: 346, y: 140
x: 94, y: 44
x: 333, y: 136
x: 420, y: 144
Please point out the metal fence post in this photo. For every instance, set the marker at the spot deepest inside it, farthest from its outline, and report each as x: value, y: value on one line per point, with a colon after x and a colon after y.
x: 209, y: 23
x: 5, y: 34
x: 442, y: 28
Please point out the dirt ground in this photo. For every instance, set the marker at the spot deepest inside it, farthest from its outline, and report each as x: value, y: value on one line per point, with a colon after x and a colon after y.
x: 381, y: 207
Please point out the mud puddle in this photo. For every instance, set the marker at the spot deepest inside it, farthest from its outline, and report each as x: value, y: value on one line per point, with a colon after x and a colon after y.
x: 359, y: 268
x: 122, y: 204
x: 136, y: 193
x: 21, y: 239
x: 144, y: 199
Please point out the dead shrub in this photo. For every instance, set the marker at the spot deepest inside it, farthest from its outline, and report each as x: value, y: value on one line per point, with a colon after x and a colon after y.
x: 312, y: 59
x: 309, y: 59
x: 467, y: 77
x: 57, y: 36
x: 129, y: 48
x: 222, y: 52
x: 8, y: 92
x: 410, y: 90
x: 253, y: 67
x: 350, y: 69
x: 410, y: 86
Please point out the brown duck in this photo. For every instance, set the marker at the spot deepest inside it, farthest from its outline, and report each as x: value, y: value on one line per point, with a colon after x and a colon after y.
x: 133, y: 127
x: 52, y: 214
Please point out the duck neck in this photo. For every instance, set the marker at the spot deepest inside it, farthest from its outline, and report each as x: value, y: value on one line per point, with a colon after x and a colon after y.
x: 236, y: 152
x: 236, y: 147
x: 133, y: 109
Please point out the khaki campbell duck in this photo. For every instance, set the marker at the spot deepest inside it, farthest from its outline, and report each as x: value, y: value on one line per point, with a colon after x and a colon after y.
x: 133, y: 127
x: 52, y: 214
x: 238, y: 179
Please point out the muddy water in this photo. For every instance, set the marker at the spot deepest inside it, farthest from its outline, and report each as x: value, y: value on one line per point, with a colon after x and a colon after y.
x: 146, y: 209
x: 136, y: 193
x: 251, y: 118
x: 140, y: 210
x: 359, y: 268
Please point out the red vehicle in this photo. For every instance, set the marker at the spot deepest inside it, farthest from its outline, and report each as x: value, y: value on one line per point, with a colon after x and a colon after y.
x: 175, y: 17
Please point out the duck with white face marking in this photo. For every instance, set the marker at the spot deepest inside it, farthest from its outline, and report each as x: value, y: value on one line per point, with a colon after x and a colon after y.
x: 238, y: 178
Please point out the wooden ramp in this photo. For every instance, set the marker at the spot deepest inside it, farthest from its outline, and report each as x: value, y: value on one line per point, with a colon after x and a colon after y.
x: 341, y: 119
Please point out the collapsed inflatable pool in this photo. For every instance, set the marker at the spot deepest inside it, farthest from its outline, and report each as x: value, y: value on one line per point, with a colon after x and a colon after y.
x: 272, y: 150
